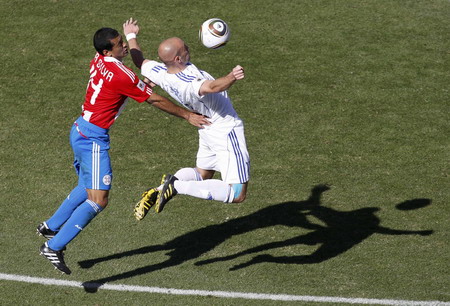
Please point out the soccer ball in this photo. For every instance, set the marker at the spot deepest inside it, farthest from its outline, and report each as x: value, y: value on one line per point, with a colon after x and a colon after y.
x: 214, y: 33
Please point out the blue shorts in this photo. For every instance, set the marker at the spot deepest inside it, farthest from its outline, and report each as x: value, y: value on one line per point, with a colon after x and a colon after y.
x: 90, y: 145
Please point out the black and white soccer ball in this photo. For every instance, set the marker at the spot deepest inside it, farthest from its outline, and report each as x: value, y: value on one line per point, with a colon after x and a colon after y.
x: 214, y: 33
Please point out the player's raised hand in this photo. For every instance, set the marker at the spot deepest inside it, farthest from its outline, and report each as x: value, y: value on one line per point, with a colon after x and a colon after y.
x: 130, y: 26
x: 238, y: 72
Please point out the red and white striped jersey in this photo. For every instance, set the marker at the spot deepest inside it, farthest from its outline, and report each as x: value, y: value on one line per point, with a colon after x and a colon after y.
x: 110, y: 84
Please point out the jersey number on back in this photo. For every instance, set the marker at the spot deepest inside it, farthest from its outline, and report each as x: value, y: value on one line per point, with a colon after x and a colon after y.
x: 95, y: 87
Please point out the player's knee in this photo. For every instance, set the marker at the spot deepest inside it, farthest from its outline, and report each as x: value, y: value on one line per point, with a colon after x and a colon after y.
x: 103, y: 203
x: 99, y: 197
x: 205, y: 174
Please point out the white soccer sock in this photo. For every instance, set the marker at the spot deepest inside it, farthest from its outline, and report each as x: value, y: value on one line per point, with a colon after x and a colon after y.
x: 188, y: 174
x: 208, y: 189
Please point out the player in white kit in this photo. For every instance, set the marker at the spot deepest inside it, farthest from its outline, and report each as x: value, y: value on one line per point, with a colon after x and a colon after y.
x: 222, y: 145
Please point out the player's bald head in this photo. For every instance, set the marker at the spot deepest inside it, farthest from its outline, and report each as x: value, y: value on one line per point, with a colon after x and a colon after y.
x: 170, y: 48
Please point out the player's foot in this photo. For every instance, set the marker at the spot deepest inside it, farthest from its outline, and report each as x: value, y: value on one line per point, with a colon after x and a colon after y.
x: 56, y: 258
x: 147, y: 201
x: 43, y: 230
x: 167, y: 192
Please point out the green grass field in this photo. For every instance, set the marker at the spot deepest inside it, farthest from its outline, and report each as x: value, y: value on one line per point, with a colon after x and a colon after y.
x: 352, y: 94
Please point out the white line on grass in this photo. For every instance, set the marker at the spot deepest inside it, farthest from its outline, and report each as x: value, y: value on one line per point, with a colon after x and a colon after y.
x: 222, y: 294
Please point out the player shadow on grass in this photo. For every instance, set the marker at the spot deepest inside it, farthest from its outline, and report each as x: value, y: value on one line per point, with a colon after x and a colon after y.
x: 342, y: 231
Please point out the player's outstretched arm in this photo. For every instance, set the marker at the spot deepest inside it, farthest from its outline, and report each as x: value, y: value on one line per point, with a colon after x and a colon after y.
x: 223, y: 83
x: 167, y: 106
x: 131, y: 27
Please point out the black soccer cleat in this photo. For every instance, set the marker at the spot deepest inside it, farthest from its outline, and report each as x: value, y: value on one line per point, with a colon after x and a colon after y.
x: 56, y: 258
x: 43, y: 230
x: 167, y: 192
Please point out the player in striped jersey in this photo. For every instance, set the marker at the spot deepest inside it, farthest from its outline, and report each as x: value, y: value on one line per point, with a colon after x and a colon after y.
x: 222, y: 145
x: 110, y: 85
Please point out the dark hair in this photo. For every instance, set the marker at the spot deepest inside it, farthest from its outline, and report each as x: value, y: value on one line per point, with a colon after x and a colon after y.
x: 102, y: 39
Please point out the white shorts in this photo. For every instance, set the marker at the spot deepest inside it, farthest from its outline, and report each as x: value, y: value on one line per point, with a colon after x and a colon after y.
x: 224, y: 149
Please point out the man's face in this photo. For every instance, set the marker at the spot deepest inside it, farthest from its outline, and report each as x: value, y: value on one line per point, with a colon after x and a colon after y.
x: 119, y: 49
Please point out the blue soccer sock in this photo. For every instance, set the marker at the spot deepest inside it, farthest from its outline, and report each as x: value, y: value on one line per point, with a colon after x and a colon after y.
x: 76, y: 223
x: 77, y: 196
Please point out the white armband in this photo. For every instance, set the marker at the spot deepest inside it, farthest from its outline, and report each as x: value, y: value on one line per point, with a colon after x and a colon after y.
x: 130, y: 36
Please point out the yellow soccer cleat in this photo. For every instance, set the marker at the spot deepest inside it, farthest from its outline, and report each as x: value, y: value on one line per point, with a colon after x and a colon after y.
x: 167, y: 192
x: 147, y: 201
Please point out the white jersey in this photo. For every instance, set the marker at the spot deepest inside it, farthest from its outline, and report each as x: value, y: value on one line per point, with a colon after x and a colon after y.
x: 184, y: 87
x: 222, y: 145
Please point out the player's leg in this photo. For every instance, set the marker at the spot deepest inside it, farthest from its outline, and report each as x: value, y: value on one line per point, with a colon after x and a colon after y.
x: 159, y: 196
x: 151, y: 196
x: 78, y: 195
x: 98, y: 196
x: 195, y: 182
x: 234, y: 163
x: 188, y: 175
x: 226, y: 152
x: 90, y: 145
x: 96, y: 175
x: 49, y: 228
x: 191, y: 174
x: 217, y: 151
x: 235, y: 167
x: 211, y: 189
x: 205, y: 174
x: 167, y: 191
x: 80, y: 218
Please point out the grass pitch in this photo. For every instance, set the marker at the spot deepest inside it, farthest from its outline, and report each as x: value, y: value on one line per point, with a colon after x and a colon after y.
x: 352, y: 95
